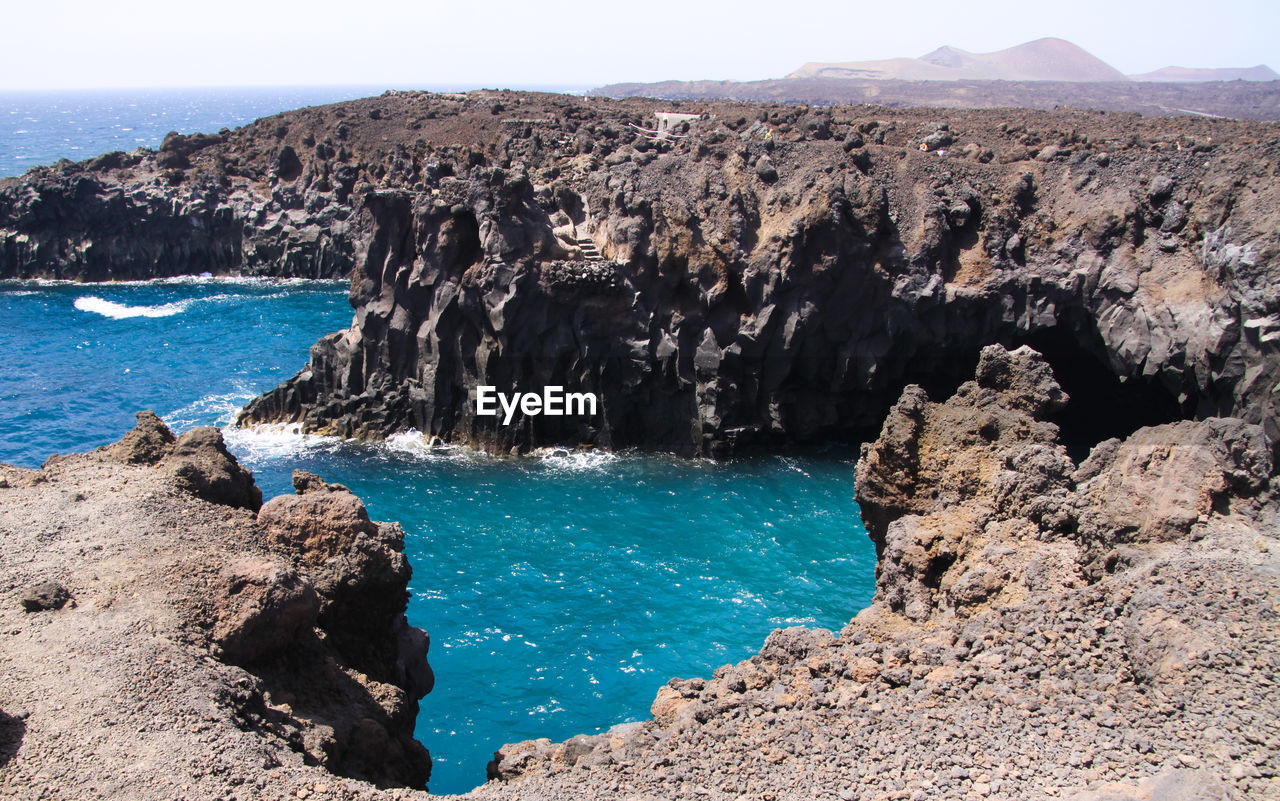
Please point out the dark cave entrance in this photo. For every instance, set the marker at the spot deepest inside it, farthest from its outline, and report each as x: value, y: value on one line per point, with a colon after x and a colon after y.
x: 464, y: 236
x: 1102, y: 405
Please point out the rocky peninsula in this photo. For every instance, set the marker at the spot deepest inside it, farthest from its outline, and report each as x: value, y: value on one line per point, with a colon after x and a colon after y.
x: 169, y: 635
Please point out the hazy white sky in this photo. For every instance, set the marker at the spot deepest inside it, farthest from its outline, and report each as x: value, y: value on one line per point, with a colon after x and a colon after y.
x: 106, y: 43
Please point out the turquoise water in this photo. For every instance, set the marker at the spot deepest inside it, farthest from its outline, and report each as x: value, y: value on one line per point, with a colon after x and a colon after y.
x: 560, y: 594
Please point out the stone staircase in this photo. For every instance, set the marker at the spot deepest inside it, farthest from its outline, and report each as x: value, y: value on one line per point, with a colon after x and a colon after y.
x: 589, y: 250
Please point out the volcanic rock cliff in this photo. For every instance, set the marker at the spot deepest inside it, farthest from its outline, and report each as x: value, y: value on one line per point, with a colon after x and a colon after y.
x: 168, y: 635
x: 776, y: 275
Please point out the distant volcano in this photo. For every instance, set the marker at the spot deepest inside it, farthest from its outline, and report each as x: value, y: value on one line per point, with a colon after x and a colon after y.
x: 1046, y: 59
x: 1192, y: 75
x: 1042, y: 74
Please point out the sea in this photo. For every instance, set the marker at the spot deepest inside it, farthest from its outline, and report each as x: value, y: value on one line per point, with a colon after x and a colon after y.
x: 560, y: 592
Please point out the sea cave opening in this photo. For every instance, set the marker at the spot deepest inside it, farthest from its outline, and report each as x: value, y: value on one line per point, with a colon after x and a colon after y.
x: 1102, y: 404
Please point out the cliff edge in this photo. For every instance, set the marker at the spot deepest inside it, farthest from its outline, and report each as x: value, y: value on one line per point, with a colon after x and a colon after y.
x: 168, y: 635
x: 777, y: 275
x: 763, y: 276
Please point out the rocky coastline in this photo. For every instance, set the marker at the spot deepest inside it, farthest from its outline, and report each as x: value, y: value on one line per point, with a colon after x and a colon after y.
x: 774, y: 277
x: 1103, y: 630
x: 1057, y: 332
x: 777, y: 278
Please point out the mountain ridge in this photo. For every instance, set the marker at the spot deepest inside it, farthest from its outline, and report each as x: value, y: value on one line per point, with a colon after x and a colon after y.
x: 1261, y: 72
x: 1046, y: 59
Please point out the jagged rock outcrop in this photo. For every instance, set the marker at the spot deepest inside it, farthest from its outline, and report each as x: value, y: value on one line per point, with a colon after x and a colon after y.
x: 1160, y: 482
x: 1025, y: 640
x: 968, y: 501
x: 191, y: 642
x: 735, y: 309
x: 200, y: 462
x: 149, y: 441
x: 973, y: 502
x: 360, y: 572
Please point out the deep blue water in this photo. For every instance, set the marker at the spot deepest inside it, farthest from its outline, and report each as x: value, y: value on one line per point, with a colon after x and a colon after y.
x: 41, y: 127
x: 560, y: 594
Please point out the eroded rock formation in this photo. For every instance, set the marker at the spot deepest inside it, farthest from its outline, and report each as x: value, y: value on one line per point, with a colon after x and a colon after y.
x: 207, y: 650
x: 778, y: 279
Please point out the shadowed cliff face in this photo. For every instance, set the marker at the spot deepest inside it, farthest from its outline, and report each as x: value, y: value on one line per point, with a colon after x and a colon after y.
x: 775, y: 277
x: 762, y: 289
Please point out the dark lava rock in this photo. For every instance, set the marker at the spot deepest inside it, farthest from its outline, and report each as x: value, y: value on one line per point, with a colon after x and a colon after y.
x: 201, y: 464
x: 147, y: 443
x: 45, y: 596
x: 766, y: 170
x: 745, y: 310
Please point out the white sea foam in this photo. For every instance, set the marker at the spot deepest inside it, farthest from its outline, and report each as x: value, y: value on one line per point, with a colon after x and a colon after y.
x: 119, y: 311
x: 412, y: 443
x: 416, y: 445
x: 236, y: 280
x: 276, y: 441
x: 268, y: 441
x: 218, y: 409
x: 565, y: 459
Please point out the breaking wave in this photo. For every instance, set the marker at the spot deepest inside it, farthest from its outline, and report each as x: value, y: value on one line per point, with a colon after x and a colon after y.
x: 119, y: 311
x: 273, y: 441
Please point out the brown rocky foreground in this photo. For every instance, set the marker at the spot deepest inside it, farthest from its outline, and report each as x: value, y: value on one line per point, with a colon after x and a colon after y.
x: 165, y: 635
x: 1040, y: 629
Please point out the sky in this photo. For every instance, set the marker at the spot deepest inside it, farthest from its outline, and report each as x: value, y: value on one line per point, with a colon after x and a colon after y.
x: 67, y: 44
